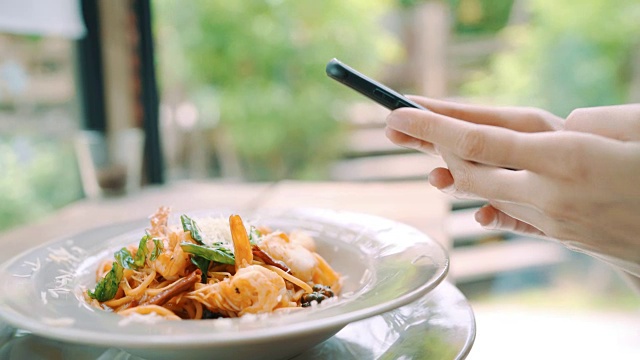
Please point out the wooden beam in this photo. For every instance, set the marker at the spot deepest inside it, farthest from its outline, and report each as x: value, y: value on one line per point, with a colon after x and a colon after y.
x: 432, y: 33
x: 115, y: 24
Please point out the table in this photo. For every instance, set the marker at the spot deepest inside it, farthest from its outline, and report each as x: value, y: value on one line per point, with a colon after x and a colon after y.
x: 449, y: 324
x: 414, y: 203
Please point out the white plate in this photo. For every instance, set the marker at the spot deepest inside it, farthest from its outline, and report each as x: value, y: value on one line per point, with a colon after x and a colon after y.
x: 386, y: 265
x: 439, y: 325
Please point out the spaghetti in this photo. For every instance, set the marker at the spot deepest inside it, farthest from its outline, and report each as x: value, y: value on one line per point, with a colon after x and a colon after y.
x: 212, y: 268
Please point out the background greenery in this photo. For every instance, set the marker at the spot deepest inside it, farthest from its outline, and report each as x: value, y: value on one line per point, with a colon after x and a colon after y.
x: 265, y: 62
x: 38, y: 171
x: 568, y: 54
x: 38, y: 175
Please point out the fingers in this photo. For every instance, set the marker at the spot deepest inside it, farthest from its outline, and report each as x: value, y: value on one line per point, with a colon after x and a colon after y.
x: 562, y: 154
x: 410, y: 142
x: 480, y: 143
x: 487, y: 216
x: 620, y: 122
x: 515, y: 118
x: 441, y: 178
x: 465, y: 179
x: 553, y: 227
x: 492, y: 218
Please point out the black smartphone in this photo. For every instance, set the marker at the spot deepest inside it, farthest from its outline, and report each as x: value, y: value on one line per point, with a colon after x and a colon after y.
x: 368, y: 87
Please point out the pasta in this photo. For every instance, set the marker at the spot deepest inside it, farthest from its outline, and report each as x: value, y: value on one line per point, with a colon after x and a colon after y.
x: 212, y: 268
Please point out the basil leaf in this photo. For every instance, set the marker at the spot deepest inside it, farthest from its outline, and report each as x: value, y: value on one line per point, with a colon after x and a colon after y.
x: 107, y: 287
x: 189, y: 225
x: 157, y: 249
x: 141, y: 254
x: 124, y: 259
x: 203, y: 265
x: 217, y: 254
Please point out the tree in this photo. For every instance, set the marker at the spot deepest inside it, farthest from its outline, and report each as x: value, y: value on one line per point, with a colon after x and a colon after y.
x: 265, y: 60
x: 568, y: 54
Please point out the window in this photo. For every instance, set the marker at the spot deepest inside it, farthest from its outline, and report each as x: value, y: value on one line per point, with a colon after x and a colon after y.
x: 39, y: 112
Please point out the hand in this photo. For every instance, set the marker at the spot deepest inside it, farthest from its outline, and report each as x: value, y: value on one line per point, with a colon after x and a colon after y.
x: 577, y: 183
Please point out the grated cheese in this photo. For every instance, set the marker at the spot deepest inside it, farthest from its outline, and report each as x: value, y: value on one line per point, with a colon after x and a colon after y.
x: 35, y: 266
x: 216, y: 230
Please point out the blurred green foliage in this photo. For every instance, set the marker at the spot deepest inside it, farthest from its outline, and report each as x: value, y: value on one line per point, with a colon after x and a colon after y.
x: 569, y: 54
x: 39, y: 175
x: 473, y: 17
x: 266, y: 61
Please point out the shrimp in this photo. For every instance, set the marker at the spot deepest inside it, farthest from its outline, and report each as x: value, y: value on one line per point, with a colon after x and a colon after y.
x: 159, y: 222
x: 172, y: 261
x: 253, y: 289
x: 302, y: 238
x: 306, y: 265
x: 241, y: 245
x: 325, y: 275
x: 300, y: 260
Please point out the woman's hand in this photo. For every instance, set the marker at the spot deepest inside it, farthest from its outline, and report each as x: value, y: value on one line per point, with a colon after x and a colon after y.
x: 577, y: 181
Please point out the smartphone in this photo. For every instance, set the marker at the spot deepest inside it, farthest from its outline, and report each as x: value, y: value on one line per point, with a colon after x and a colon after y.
x: 368, y: 87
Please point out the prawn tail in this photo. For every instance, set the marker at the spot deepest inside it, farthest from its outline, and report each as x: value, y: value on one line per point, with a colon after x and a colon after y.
x: 241, y: 244
x: 325, y: 275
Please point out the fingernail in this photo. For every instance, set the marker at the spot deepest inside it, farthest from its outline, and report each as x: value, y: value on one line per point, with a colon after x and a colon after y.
x: 448, y: 189
x: 430, y: 179
x: 490, y: 225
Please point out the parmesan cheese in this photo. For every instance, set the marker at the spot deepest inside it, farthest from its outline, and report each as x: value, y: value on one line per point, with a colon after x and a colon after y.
x: 216, y: 230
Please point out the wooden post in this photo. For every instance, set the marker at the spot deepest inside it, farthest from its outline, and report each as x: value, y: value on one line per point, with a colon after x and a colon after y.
x: 117, y: 54
x: 131, y: 99
x: 432, y: 32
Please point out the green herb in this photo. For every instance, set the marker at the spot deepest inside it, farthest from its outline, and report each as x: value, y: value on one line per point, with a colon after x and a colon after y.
x: 157, y: 249
x: 189, y: 225
x: 141, y: 254
x: 217, y: 254
x: 124, y: 259
x: 107, y: 287
x: 202, y: 264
